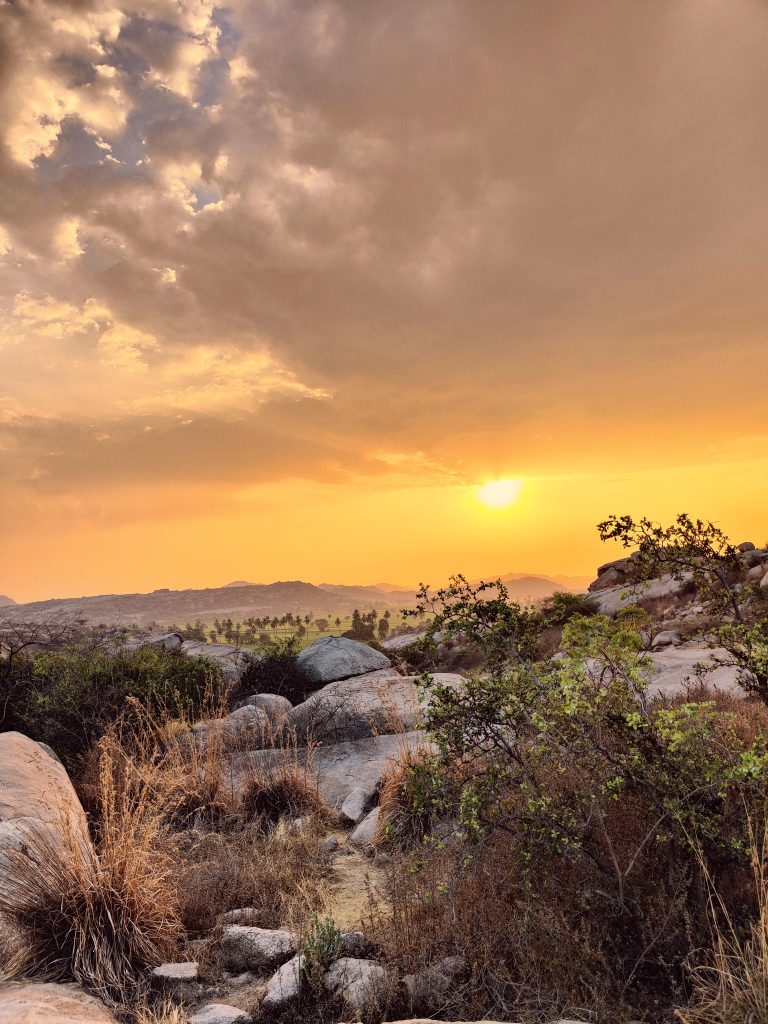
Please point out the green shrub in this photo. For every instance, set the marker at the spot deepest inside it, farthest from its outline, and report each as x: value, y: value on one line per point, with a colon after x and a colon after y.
x: 321, y: 946
x: 68, y: 698
x: 275, y: 669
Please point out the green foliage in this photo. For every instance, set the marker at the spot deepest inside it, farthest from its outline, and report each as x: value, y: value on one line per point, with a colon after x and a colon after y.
x: 320, y: 947
x: 748, y: 648
x: 362, y: 627
x: 563, y: 605
x: 68, y: 698
x: 481, y: 615
x: 688, y: 548
x: 275, y: 669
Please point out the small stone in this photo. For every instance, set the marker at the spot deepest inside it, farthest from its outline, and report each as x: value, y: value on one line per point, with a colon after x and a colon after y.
x: 666, y: 638
x: 330, y: 844
x: 365, y: 832
x: 357, y: 804
x: 220, y: 1013
x: 246, y: 948
x: 284, y: 986
x: 360, y: 983
x: 180, y: 980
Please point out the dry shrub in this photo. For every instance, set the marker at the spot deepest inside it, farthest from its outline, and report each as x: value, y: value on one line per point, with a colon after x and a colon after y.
x: 168, y: 1013
x: 731, y: 982
x: 101, y: 917
x: 409, y: 804
x: 284, y: 788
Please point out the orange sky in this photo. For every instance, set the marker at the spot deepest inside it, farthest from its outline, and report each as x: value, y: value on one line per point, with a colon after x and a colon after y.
x: 282, y: 284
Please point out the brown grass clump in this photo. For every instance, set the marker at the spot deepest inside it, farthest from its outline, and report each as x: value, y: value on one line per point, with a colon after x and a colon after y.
x: 102, y: 917
x: 408, y: 804
x: 731, y: 984
x: 283, y: 789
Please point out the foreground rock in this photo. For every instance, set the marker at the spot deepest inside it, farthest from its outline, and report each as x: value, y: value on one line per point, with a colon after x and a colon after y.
x: 245, y: 948
x: 29, y: 1002
x: 232, y: 660
x: 672, y: 671
x: 362, y: 984
x: 338, y: 767
x: 177, y: 980
x: 365, y: 833
x: 284, y: 986
x: 351, y: 709
x: 220, y: 1013
x: 337, y: 657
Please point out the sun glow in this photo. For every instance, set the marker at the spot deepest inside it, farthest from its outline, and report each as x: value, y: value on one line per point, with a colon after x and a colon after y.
x: 499, y: 493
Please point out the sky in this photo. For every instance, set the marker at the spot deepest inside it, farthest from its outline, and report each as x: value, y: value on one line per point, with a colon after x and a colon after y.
x: 284, y: 283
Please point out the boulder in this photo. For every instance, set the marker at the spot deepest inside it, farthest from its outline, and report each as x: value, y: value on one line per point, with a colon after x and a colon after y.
x: 649, y: 594
x: 353, y: 944
x: 338, y: 657
x: 365, y: 833
x: 241, y: 915
x: 610, y: 577
x: 246, y: 948
x: 338, y: 767
x: 747, y: 545
x: 220, y: 1013
x: 357, y: 804
x: 362, y: 984
x: 284, y: 986
x: 171, y: 642
x: 245, y: 727
x: 666, y: 638
x: 232, y: 660
x: 28, y: 1002
x: 672, y: 670
x: 756, y: 573
x: 365, y: 705
x: 37, y: 798
x: 764, y: 582
x: 274, y: 706
x: 403, y: 641
x: 177, y: 980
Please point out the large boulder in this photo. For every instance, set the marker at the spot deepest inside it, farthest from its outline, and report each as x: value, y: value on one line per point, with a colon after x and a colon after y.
x: 338, y: 767
x: 284, y: 986
x: 245, y: 948
x: 27, y: 1002
x: 171, y: 642
x: 338, y: 657
x: 361, y: 984
x: 365, y: 705
x: 653, y: 595
x: 364, y: 834
x: 672, y: 670
x: 36, y: 798
x: 232, y: 660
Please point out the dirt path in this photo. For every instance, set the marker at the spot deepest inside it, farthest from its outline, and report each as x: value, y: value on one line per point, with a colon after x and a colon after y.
x: 357, y: 886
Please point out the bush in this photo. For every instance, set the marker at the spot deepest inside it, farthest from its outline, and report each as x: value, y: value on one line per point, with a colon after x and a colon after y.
x: 69, y: 698
x: 275, y: 669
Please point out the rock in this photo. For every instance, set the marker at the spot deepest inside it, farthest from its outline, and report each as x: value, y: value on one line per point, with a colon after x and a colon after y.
x: 362, y: 984
x: 764, y: 582
x: 429, y: 987
x: 666, y: 638
x: 171, y: 642
x: 351, y: 709
x: 178, y: 980
x: 611, y: 576
x: 233, y: 661
x: 36, y: 797
x: 357, y: 804
x: 274, y: 706
x: 28, y: 1002
x: 747, y: 545
x: 246, y: 948
x: 670, y: 671
x: 653, y: 595
x: 365, y: 833
x: 330, y: 844
x: 403, y: 641
x: 756, y: 573
x: 220, y: 1013
x: 245, y: 727
x: 338, y: 657
x: 284, y: 986
x: 338, y: 767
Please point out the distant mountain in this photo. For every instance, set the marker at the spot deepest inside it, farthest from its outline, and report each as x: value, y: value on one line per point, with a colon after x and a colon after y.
x: 235, y: 601
x: 5, y: 600
x: 573, y: 583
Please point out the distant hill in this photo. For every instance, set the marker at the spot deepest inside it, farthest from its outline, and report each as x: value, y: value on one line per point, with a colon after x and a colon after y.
x: 5, y: 600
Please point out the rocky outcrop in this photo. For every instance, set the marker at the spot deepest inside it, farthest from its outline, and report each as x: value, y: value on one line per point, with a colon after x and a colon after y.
x: 337, y: 657
x: 29, y: 1002
x: 653, y: 595
x: 365, y: 706
x: 672, y: 670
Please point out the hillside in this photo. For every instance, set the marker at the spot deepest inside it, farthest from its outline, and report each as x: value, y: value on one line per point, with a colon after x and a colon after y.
x: 5, y: 600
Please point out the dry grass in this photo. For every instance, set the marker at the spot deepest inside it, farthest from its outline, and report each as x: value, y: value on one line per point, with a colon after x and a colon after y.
x: 731, y: 985
x: 168, y: 1013
x: 101, y: 916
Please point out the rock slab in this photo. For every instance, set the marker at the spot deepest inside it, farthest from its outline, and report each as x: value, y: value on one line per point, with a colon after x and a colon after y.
x: 49, y: 1003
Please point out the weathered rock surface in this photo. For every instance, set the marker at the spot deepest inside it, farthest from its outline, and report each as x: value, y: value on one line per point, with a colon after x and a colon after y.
x: 651, y: 594
x: 220, y: 1013
x: 170, y: 642
x: 337, y: 657
x: 274, y: 706
x: 365, y: 833
x: 360, y: 983
x: 27, y: 1002
x: 232, y: 660
x: 666, y: 638
x: 403, y: 641
x: 36, y: 797
x: 357, y: 804
x: 672, y: 669
x: 245, y: 948
x: 284, y: 986
x: 180, y: 980
x: 338, y: 767
x: 363, y: 706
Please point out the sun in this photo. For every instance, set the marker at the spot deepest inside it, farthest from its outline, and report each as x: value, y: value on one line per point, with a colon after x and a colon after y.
x: 499, y: 493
